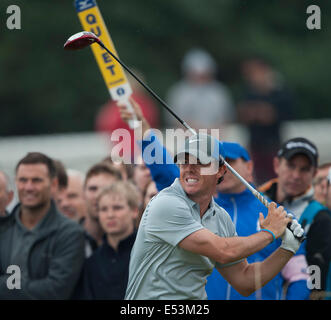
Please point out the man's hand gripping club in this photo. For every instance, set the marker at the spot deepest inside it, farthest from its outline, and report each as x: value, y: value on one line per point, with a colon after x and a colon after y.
x: 276, y: 224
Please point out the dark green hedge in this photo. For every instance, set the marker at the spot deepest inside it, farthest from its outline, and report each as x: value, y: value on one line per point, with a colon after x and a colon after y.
x: 44, y: 89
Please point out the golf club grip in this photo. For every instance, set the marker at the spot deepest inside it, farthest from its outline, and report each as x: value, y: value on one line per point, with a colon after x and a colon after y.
x: 259, y: 196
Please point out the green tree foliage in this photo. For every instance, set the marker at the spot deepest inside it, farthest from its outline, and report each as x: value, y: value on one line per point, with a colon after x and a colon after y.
x: 45, y: 89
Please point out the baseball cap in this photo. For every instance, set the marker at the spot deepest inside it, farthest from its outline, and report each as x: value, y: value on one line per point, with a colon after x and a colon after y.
x: 203, y: 147
x: 198, y: 60
x: 299, y: 146
x: 233, y: 151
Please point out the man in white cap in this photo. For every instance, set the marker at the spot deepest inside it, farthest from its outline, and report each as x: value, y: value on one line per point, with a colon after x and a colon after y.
x: 199, y: 97
x: 183, y: 234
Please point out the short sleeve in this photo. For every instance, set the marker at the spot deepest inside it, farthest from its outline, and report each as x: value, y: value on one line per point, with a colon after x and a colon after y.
x: 170, y: 219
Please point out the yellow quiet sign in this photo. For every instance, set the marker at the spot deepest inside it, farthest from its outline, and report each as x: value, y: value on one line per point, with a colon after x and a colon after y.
x: 112, y: 72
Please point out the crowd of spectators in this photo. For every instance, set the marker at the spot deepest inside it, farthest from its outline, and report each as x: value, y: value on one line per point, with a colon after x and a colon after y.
x: 71, y: 232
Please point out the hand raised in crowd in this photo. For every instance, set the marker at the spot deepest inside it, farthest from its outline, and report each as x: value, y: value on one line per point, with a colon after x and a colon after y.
x: 127, y: 115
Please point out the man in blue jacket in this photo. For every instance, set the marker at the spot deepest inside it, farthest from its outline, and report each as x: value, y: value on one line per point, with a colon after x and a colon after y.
x: 236, y: 199
x: 244, y: 209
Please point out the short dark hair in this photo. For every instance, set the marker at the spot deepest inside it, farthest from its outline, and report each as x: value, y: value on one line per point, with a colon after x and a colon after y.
x: 128, y: 167
x: 39, y: 158
x: 103, y: 168
x: 61, y: 174
x: 220, y: 164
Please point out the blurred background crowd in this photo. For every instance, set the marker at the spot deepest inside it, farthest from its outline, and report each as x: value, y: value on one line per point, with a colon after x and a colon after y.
x: 253, y: 53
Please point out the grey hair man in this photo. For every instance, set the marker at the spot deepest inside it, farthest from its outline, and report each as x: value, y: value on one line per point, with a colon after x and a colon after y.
x: 71, y: 201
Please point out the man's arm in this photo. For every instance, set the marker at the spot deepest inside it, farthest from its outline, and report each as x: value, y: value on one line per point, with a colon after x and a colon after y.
x: 165, y: 173
x: 247, y: 278
x: 224, y: 250
x: 295, y: 275
x: 229, y: 250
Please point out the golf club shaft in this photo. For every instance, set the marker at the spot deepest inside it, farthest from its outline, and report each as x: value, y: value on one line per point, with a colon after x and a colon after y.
x: 258, y: 195
x: 147, y: 88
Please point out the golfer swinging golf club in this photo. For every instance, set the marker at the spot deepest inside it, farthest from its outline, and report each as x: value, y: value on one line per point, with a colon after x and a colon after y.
x: 184, y: 234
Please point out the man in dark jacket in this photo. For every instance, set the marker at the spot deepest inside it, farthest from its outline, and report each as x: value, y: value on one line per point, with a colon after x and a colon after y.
x: 295, y: 165
x: 41, y: 251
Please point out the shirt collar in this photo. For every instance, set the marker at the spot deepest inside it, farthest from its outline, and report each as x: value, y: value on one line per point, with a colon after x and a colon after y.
x: 178, y: 187
x: 124, y: 243
x: 41, y: 224
x: 307, y: 196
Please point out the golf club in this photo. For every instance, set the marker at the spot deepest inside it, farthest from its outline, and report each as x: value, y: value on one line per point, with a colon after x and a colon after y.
x: 84, y: 39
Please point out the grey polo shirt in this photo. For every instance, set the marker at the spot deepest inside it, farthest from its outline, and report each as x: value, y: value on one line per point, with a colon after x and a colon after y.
x: 159, y: 268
